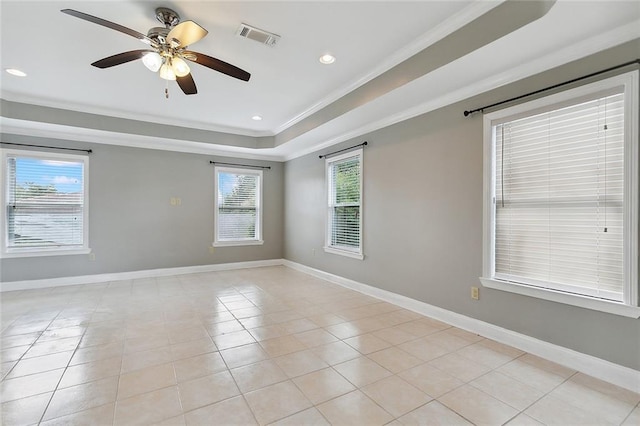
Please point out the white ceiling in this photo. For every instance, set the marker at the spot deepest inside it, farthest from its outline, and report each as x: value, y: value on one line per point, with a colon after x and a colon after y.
x: 287, y: 83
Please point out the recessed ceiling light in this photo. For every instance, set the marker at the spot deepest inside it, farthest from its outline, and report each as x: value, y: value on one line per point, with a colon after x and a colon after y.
x: 16, y: 72
x: 327, y: 59
x: 256, y: 117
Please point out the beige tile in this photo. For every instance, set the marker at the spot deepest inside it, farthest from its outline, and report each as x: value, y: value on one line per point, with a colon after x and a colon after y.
x: 82, y: 397
x: 258, y: 375
x: 98, y: 352
x: 282, y: 346
x: 523, y: 420
x: 88, y: 372
x: 606, y: 388
x: 602, y: 407
x: 40, y: 364
x: 298, y: 326
x: 145, y: 343
x: 419, y: 328
x: 231, y: 340
x: 198, y: 366
x: 508, y: 390
x: 98, y: 416
x: 143, y: 359
x: 6, y: 367
x: 315, y: 337
x: 459, y: 366
x: 362, y: 371
x: 244, y: 355
x: 354, y: 408
x: 323, y: 385
x: 24, y: 411
x: 502, y: 348
x: 395, y: 395
x: 148, y: 408
x: 552, y: 411
x: 431, y: 380
x: 225, y: 327
x: 395, y: 360
x: 192, y: 348
x: 633, y: 419
x: 546, y: 365
x: 33, y: 384
x: 179, y: 335
x: 13, y: 353
x: 308, y: 417
x: 276, y: 402
x: 477, y: 407
x: 325, y: 320
x: 535, y: 377
x: 448, y: 341
x: 207, y: 390
x: 424, y: 349
x: 52, y: 346
x: 299, y: 363
x: 173, y: 421
x: 433, y: 414
x: 484, y: 355
x: 394, y: 335
x: 367, y: 343
x: 10, y: 341
x: 146, y: 380
x: 336, y: 352
x: 231, y: 412
x: 267, y: 332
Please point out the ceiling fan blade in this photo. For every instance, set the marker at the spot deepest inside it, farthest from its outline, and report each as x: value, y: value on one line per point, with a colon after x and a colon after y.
x: 120, y: 58
x: 187, y: 84
x: 217, y: 65
x: 187, y: 33
x: 143, y: 38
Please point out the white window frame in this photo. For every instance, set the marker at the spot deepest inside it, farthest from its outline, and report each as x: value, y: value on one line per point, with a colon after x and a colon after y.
x: 627, y: 308
x: 217, y: 242
x: 355, y: 253
x: 5, y: 251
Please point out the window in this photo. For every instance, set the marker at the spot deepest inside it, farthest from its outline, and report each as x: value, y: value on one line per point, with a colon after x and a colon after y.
x: 344, y: 215
x: 561, y: 197
x: 45, y: 208
x: 238, y: 213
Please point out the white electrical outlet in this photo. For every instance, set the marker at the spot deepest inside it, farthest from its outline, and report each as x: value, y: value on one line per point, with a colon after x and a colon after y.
x: 475, y: 293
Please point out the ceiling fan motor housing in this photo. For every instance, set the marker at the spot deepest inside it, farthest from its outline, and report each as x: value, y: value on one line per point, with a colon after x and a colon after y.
x: 167, y: 16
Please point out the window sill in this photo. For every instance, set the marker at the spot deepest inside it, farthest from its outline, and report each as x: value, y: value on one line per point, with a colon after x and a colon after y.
x: 346, y: 253
x: 238, y: 243
x: 41, y: 253
x: 565, y: 298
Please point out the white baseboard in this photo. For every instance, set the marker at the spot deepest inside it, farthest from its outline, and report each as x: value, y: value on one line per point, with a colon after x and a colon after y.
x: 132, y: 275
x: 613, y: 373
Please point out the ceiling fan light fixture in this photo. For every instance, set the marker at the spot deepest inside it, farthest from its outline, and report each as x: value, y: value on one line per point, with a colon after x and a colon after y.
x: 153, y: 61
x: 179, y: 67
x: 167, y: 73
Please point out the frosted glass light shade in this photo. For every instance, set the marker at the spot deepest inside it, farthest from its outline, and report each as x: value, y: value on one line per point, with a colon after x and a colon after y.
x: 179, y: 67
x: 153, y: 61
x: 167, y: 73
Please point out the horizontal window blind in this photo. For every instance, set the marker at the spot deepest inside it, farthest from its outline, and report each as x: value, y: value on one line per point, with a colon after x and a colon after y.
x: 44, y: 203
x: 344, y: 203
x: 559, y: 197
x: 238, y: 206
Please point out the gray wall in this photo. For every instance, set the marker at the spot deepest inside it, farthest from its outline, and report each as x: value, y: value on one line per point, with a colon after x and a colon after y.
x: 422, y: 214
x: 132, y: 224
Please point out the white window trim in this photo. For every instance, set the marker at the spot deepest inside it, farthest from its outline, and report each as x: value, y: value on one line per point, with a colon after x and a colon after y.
x: 246, y: 242
x: 6, y: 252
x: 629, y: 307
x: 328, y: 248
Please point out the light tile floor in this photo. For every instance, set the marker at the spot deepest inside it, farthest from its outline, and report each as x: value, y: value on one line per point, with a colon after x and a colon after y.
x: 270, y: 346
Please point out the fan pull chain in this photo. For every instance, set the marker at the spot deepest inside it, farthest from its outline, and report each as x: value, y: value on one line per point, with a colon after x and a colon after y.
x: 166, y: 89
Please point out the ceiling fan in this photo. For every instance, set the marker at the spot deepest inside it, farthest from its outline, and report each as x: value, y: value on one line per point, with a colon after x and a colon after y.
x: 168, y: 49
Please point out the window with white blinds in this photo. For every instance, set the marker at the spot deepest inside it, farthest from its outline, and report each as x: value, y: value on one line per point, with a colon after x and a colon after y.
x: 45, y: 209
x: 344, y: 221
x: 238, y: 215
x: 562, y: 207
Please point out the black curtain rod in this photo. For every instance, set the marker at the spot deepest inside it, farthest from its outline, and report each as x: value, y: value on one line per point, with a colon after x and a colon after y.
x: 88, y: 151
x: 342, y: 150
x: 240, y: 165
x: 468, y: 113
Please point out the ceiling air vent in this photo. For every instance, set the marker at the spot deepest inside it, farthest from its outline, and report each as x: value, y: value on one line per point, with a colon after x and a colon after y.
x: 256, y: 34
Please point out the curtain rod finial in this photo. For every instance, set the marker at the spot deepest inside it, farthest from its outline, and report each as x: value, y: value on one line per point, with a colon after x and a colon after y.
x: 466, y: 113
